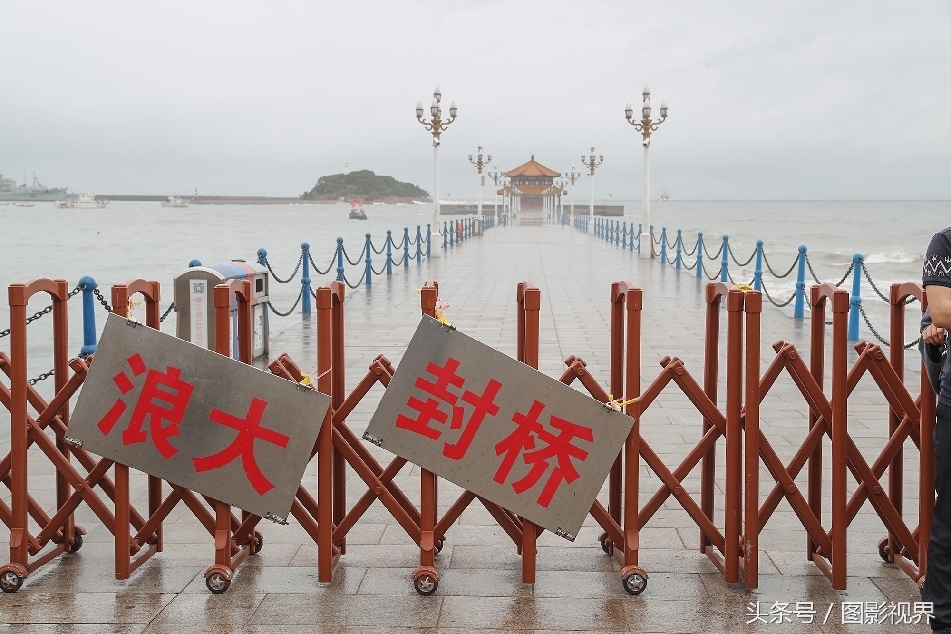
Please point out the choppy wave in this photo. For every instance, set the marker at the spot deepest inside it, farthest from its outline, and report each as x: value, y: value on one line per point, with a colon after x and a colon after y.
x: 897, y: 257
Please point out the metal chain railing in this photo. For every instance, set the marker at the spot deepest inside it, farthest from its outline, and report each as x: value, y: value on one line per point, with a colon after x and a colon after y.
x: 787, y: 273
x: 354, y: 286
x: 774, y: 302
x: 359, y: 257
x: 875, y: 288
x: 738, y: 263
x: 267, y: 263
x: 279, y: 313
x: 382, y: 249
x: 717, y: 255
x: 881, y: 339
x: 102, y: 300
x: 381, y: 271
x: 329, y: 266
x: 170, y: 308
x: 689, y: 253
x: 41, y: 377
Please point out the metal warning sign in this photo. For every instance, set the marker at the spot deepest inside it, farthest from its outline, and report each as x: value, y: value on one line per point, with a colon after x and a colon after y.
x: 498, y: 428
x: 197, y: 419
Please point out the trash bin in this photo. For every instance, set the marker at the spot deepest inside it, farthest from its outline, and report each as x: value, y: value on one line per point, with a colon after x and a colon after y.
x: 195, y: 304
x: 477, y: 226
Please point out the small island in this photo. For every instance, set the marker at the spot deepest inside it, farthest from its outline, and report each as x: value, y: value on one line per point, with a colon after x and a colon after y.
x: 365, y: 185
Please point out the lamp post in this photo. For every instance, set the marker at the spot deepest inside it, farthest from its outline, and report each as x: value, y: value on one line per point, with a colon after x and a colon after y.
x: 572, y: 177
x: 436, y: 126
x: 480, y: 162
x: 497, y: 177
x: 645, y: 126
x: 592, y: 164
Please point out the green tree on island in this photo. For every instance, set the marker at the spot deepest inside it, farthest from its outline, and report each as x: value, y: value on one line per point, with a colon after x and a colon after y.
x: 363, y: 184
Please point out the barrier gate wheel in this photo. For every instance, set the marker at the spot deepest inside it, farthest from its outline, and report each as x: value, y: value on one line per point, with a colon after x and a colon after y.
x: 883, y: 550
x: 425, y: 580
x: 606, y: 544
x: 77, y: 540
x: 258, y: 543
x: 11, y: 577
x: 634, y: 579
x: 439, y: 544
x: 218, y: 579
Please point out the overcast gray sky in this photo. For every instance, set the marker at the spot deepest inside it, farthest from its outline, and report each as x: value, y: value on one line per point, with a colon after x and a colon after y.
x: 768, y: 100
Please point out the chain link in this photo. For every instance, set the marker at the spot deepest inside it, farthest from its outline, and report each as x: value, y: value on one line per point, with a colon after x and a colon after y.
x: 267, y: 263
x: 359, y: 257
x: 171, y: 307
x: 41, y: 377
x: 357, y: 285
x: 874, y: 288
x: 329, y: 266
x: 707, y: 251
x: 786, y: 274
x: 102, y: 300
x: 738, y: 263
x: 881, y: 339
x: 382, y: 249
x: 773, y: 301
x: 689, y: 253
x: 279, y: 313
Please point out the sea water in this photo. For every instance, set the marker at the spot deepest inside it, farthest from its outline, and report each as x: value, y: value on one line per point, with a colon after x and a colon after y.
x: 128, y: 240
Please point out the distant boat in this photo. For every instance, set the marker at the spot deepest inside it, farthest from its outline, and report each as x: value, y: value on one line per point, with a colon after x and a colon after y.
x: 83, y: 201
x: 665, y: 195
x: 24, y: 203
x: 178, y: 201
x: 356, y: 210
x: 9, y: 190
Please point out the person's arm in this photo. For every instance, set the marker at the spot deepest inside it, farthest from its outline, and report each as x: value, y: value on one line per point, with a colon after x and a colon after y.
x: 939, y: 303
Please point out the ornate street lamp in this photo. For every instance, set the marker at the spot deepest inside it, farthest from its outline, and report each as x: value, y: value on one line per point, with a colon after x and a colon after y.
x: 573, y: 176
x: 497, y: 177
x: 436, y: 126
x: 480, y: 162
x: 645, y: 126
x: 592, y: 163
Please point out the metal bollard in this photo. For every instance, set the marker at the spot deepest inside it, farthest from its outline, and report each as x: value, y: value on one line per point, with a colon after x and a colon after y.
x: 419, y: 246
x: 389, y: 252
x: 429, y: 239
x: 758, y: 271
x: 88, y: 285
x: 699, y: 254
x: 445, y: 235
x: 663, y: 245
x: 305, y: 306
x: 617, y: 233
x: 405, y: 247
x: 369, y: 261
x: 855, y: 301
x: 639, y: 227
x: 340, y: 259
x: 800, y: 309
x: 680, y: 248
x: 725, y: 259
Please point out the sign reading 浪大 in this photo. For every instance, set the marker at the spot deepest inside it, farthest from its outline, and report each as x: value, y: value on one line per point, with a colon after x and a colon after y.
x: 498, y: 428
x: 197, y: 419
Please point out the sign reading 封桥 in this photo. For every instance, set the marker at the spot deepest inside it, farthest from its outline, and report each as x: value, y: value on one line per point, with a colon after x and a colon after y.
x: 197, y: 419
x: 498, y: 428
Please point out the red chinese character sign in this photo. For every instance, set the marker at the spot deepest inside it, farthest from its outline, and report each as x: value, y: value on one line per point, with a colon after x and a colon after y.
x: 498, y: 428
x: 197, y: 419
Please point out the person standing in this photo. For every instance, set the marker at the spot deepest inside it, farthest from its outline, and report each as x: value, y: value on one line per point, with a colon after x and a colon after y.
x: 936, y: 278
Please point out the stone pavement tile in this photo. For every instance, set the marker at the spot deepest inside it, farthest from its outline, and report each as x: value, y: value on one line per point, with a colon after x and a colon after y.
x: 358, y: 610
x: 527, y: 614
x: 70, y: 628
x: 377, y: 556
x: 207, y: 612
x: 82, y: 607
x: 152, y: 577
x: 548, y: 558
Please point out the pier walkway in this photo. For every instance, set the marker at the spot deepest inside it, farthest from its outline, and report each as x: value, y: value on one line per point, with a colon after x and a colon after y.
x: 577, y: 586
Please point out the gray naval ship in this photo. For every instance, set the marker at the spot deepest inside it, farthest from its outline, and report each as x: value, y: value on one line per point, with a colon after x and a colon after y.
x: 9, y: 190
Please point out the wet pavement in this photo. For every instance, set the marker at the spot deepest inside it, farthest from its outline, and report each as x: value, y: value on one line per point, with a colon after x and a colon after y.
x: 577, y: 586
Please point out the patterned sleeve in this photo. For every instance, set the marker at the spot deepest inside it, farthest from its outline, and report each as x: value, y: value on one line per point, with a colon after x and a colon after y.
x: 937, y: 267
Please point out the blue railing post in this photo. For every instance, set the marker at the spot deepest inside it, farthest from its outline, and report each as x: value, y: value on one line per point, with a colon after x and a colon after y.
x: 369, y: 261
x: 419, y: 246
x: 680, y: 248
x: 405, y: 247
x: 651, y: 232
x: 639, y: 227
x: 625, y: 235
x: 617, y: 232
x: 262, y: 257
x: 305, y: 306
x: 855, y: 302
x: 389, y: 252
x: 663, y: 245
x: 445, y: 235
x: 88, y: 285
x: 725, y: 259
x: 800, y: 309
x: 429, y: 239
x: 340, y: 259
x: 758, y: 271
x: 699, y: 254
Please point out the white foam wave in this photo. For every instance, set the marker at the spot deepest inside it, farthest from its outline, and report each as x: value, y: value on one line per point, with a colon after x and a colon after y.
x: 898, y: 257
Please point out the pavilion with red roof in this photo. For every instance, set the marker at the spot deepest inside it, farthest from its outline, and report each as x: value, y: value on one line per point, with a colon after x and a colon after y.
x: 531, y: 189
